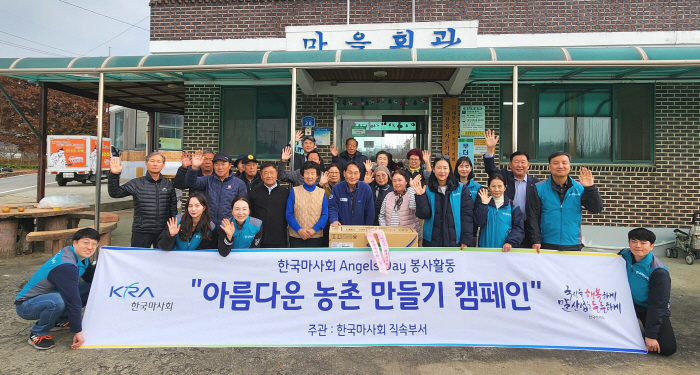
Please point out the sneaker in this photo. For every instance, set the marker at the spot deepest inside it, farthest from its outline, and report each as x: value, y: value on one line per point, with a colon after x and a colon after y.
x: 59, y: 327
x: 41, y: 342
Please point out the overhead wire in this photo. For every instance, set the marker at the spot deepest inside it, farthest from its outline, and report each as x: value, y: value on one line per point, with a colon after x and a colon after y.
x: 30, y: 48
x: 41, y: 44
x: 104, y: 15
x: 118, y: 35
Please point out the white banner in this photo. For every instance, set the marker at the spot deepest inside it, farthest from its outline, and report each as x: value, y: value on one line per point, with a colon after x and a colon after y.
x: 338, y: 297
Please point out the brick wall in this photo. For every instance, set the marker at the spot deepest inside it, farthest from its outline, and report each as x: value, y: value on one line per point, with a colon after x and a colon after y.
x: 663, y: 195
x: 631, y: 193
x: 320, y: 107
x: 237, y: 19
x: 202, y: 117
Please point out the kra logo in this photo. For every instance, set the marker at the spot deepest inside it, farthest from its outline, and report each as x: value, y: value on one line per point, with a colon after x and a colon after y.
x: 131, y: 290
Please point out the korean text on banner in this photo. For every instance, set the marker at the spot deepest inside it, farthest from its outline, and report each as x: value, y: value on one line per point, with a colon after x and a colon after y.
x: 338, y: 297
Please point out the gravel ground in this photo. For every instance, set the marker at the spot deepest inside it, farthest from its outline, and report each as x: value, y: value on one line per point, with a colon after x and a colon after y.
x: 17, y: 357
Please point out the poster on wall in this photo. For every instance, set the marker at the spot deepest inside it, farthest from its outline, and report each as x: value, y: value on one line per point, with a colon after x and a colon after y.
x: 323, y: 136
x: 471, y: 147
x: 472, y: 120
x: 466, y: 148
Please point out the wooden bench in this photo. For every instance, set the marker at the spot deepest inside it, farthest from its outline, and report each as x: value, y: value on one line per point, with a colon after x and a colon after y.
x: 105, y: 217
x: 58, y: 238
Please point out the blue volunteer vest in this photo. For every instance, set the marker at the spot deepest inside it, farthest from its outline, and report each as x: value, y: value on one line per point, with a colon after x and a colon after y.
x: 473, y: 188
x: 38, y: 283
x: 499, y: 222
x: 194, y: 242
x: 560, y: 222
x: 456, y: 204
x: 638, y: 275
x: 243, y: 238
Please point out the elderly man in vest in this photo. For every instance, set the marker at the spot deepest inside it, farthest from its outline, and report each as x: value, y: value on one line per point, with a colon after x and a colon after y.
x: 307, y: 209
x: 554, y: 206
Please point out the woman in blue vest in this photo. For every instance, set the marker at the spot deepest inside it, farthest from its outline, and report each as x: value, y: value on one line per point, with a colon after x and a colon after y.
x: 464, y: 170
x: 446, y: 207
x: 243, y: 231
x: 501, y: 224
x: 193, y: 229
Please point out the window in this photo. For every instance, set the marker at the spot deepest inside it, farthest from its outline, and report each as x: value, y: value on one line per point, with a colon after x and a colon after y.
x: 170, y: 131
x: 255, y: 120
x: 597, y: 123
x: 118, y: 129
x: 141, y: 131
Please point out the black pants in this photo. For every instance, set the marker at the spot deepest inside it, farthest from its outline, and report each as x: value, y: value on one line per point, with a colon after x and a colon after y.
x: 146, y: 240
x: 311, y: 242
x: 665, y: 337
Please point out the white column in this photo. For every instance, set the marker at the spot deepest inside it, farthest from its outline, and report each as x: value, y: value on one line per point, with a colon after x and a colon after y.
x: 294, y: 115
x: 98, y: 162
x: 515, y: 110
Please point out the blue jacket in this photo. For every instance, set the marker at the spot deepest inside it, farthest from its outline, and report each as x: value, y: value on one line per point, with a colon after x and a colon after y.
x: 220, y: 194
x: 650, y: 284
x: 448, y: 218
x: 61, y: 274
x: 560, y: 222
x: 342, y: 201
x: 499, y: 225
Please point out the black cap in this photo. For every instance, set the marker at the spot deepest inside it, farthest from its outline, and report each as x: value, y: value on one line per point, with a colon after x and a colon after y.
x: 248, y: 158
x: 221, y: 156
x: 240, y: 158
x: 309, y: 137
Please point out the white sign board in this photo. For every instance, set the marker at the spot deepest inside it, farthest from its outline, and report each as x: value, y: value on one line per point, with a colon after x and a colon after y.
x: 338, y: 297
x: 472, y: 121
x: 457, y: 34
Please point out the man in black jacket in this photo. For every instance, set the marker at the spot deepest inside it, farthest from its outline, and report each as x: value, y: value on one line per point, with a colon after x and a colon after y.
x: 308, y: 144
x: 268, y: 203
x: 350, y: 155
x: 250, y: 176
x: 154, y: 199
x: 207, y: 168
x: 519, y: 182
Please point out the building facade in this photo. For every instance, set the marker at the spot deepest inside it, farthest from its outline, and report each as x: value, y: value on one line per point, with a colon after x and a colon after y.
x: 638, y: 131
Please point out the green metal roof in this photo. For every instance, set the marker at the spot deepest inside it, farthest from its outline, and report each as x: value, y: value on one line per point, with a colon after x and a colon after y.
x: 134, y: 76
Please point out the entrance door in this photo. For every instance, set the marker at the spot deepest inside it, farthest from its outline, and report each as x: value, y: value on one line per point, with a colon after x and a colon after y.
x: 395, y: 134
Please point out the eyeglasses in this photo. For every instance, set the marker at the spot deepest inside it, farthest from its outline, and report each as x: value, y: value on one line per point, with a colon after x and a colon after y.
x: 442, y: 157
x: 89, y: 244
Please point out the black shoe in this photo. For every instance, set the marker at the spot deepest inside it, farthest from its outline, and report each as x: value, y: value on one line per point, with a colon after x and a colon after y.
x: 59, y: 326
x: 41, y: 342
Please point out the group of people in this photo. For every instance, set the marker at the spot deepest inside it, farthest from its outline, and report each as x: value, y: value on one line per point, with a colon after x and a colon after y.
x: 249, y: 208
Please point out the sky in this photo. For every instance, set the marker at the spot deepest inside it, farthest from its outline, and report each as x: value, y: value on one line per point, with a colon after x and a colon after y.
x: 71, y: 28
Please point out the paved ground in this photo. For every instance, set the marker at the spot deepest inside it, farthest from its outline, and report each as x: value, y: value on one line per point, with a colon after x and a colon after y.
x: 22, y: 189
x: 16, y: 357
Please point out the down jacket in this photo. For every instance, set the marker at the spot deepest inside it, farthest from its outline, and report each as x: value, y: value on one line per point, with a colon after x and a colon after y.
x: 154, y: 201
x: 443, y: 227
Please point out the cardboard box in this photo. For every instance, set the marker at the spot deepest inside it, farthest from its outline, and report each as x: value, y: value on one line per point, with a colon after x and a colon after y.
x: 355, y: 236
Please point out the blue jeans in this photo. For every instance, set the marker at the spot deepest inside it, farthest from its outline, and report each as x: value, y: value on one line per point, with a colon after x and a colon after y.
x: 48, y: 308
